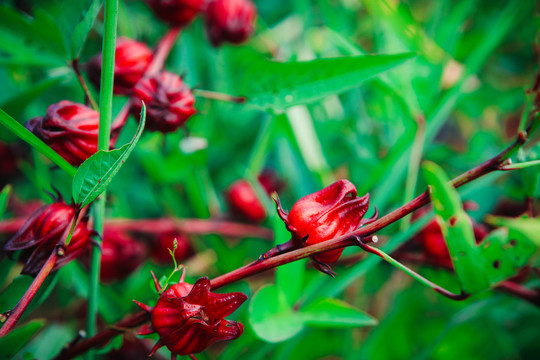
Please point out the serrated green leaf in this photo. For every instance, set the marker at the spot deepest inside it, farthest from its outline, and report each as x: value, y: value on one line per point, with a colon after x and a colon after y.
x: 272, y: 317
x: 329, y: 312
x: 457, y: 229
x: 16, y: 339
x: 97, y: 171
x: 277, y: 86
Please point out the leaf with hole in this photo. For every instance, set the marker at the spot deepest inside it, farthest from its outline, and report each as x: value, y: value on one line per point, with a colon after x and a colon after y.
x: 98, y: 170
x: 457, y: 229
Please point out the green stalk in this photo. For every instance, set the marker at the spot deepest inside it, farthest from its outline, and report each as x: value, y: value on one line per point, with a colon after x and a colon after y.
x: 105, y: 116
x: 35, y: 142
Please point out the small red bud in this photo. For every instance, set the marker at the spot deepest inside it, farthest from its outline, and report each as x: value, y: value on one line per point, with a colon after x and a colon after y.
x: 169, y: 102
x: 176, y: 12
x: 69, y: 128
x: 41, y: 233
x: 243, y: 199
x: 188, y: 318
x: 130, y: 62
x: 229, y: 21
x: 326, y: 214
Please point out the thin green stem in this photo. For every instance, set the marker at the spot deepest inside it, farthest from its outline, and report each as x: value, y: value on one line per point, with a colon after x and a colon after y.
x: 35, y: 142
x: 105, y: 116
x: 521, y: 165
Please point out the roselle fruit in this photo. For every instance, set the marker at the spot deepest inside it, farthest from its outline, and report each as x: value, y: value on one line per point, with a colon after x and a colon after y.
x: 131, y: 60
x: 189, y: 318
x: 176, y: 12
x: 70, y: 129
x: 229, y: 21
x: 40, y: 234
x: 121, y: 255
x: 243, y: 200
x: 326, y: 214
x: 169, y: 102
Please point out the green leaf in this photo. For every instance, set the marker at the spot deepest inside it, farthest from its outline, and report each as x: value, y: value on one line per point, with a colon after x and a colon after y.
x: 99, y: 169
x: 16, y: 339
x: 272, y: 317
x: 78, y: 37
x: 331, y: 312
x: 277, y: 86
x: 4, y: 196
x: 457, y: 229
x: 35, y: 142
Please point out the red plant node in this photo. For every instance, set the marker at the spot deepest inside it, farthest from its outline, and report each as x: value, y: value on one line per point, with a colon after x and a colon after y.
x: 188, y: 318
x: 70, y: 129
x: 169, y: 102
x: 229, y: 21
x: 131, y: 60
x: 326, y: 214
x: 41, y: 233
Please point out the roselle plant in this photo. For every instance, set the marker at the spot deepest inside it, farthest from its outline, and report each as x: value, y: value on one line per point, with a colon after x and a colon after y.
x: 355, y: 108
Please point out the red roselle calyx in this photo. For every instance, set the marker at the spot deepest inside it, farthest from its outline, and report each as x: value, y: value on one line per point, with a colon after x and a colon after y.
x: 130, y: 62
x: 243, y: 199
x: 176, y: 12
x: 69, y: 128
x: 40, y: 234
x: 331, y: 212
x: 169, y: 101
x: 121, y: 255
x: 189, y: 318
x: 229, y: 21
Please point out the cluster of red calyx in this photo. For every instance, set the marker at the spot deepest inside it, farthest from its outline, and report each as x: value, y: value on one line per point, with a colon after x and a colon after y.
x: 169, y: 101
x: 131, y: 60
x: 225, y: 20
x: 165, y: 241
x: 41, y: 233
x: 434, y: 247
x: 326, y: 214
x: 121, y: 255
x: 70, y: 129
x: 229, y: 21
x: 189, y: 318
x: 243, y: 200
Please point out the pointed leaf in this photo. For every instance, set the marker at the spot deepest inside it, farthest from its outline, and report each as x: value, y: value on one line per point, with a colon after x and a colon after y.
x: 78, y: 37
x: 95, y: 174
x: 275, y: 85
x: 4, y: 196
x: 272, y: 317
x: 329, y: 312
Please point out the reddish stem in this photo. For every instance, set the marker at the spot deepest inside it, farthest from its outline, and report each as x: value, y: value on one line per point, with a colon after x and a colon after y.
x: 87, y: 93
x: 21, y: 306
x: 520, y: 291
x: 104, y: 336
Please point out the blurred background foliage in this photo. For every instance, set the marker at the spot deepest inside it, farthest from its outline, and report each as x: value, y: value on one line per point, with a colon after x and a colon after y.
x: 458, y: 102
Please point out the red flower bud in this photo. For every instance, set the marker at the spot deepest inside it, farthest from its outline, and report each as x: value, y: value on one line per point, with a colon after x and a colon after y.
x: 243, y: 200
x: 176, y: 12
x: 188, y: 318
x: 326, y: 214
x: 229, y: 20
x: 69, y: 128
x: 165, y: 241
x: 121, y: 255
x: 41, y: 233
x: 169, y: 102
x: 130, y: 62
